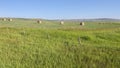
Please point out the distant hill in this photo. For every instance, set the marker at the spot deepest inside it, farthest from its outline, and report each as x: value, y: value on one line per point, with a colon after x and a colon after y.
x: 106, y: 19
x: 97, y: 19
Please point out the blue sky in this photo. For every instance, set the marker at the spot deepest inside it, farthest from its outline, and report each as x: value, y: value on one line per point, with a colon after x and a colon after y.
x: 60, y: 9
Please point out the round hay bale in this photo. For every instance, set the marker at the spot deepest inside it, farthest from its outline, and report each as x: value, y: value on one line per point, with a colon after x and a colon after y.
x: 39, y: 21
x: 82, y: 23
x: 10, y: 20
x: 62, y: 22
x: 4, y: 19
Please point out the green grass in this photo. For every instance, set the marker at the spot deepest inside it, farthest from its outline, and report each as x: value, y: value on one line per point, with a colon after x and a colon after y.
x: 31, y: 23
x: 26, y: 44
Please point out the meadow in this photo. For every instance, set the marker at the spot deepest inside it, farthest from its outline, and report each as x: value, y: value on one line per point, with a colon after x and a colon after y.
x: 26, y: 44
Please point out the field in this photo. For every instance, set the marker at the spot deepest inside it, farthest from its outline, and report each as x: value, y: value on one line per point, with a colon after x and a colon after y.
x: 26, y: 44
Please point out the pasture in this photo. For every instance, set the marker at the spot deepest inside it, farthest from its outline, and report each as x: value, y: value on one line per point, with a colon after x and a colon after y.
x: 26, y: 44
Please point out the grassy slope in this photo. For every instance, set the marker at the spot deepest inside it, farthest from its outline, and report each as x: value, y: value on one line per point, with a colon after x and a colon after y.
x: 56, y: 24
x: 61, y: 48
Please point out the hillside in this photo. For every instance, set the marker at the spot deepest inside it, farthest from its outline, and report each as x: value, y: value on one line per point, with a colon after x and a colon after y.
x: 26, y: 44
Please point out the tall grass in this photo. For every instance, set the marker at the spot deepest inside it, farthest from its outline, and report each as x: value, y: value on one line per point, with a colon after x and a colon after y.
x: 59, y: 48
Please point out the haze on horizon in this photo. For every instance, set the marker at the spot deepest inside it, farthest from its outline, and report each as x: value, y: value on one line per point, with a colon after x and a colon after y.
x: 60, y: 9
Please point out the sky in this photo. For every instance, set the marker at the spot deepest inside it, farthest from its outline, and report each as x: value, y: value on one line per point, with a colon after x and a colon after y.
x: 60, y: 9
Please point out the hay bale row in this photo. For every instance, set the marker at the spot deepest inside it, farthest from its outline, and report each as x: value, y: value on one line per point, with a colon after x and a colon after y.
x: 61, y: 22
x: 4, y: 19
x: 81, y: 23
